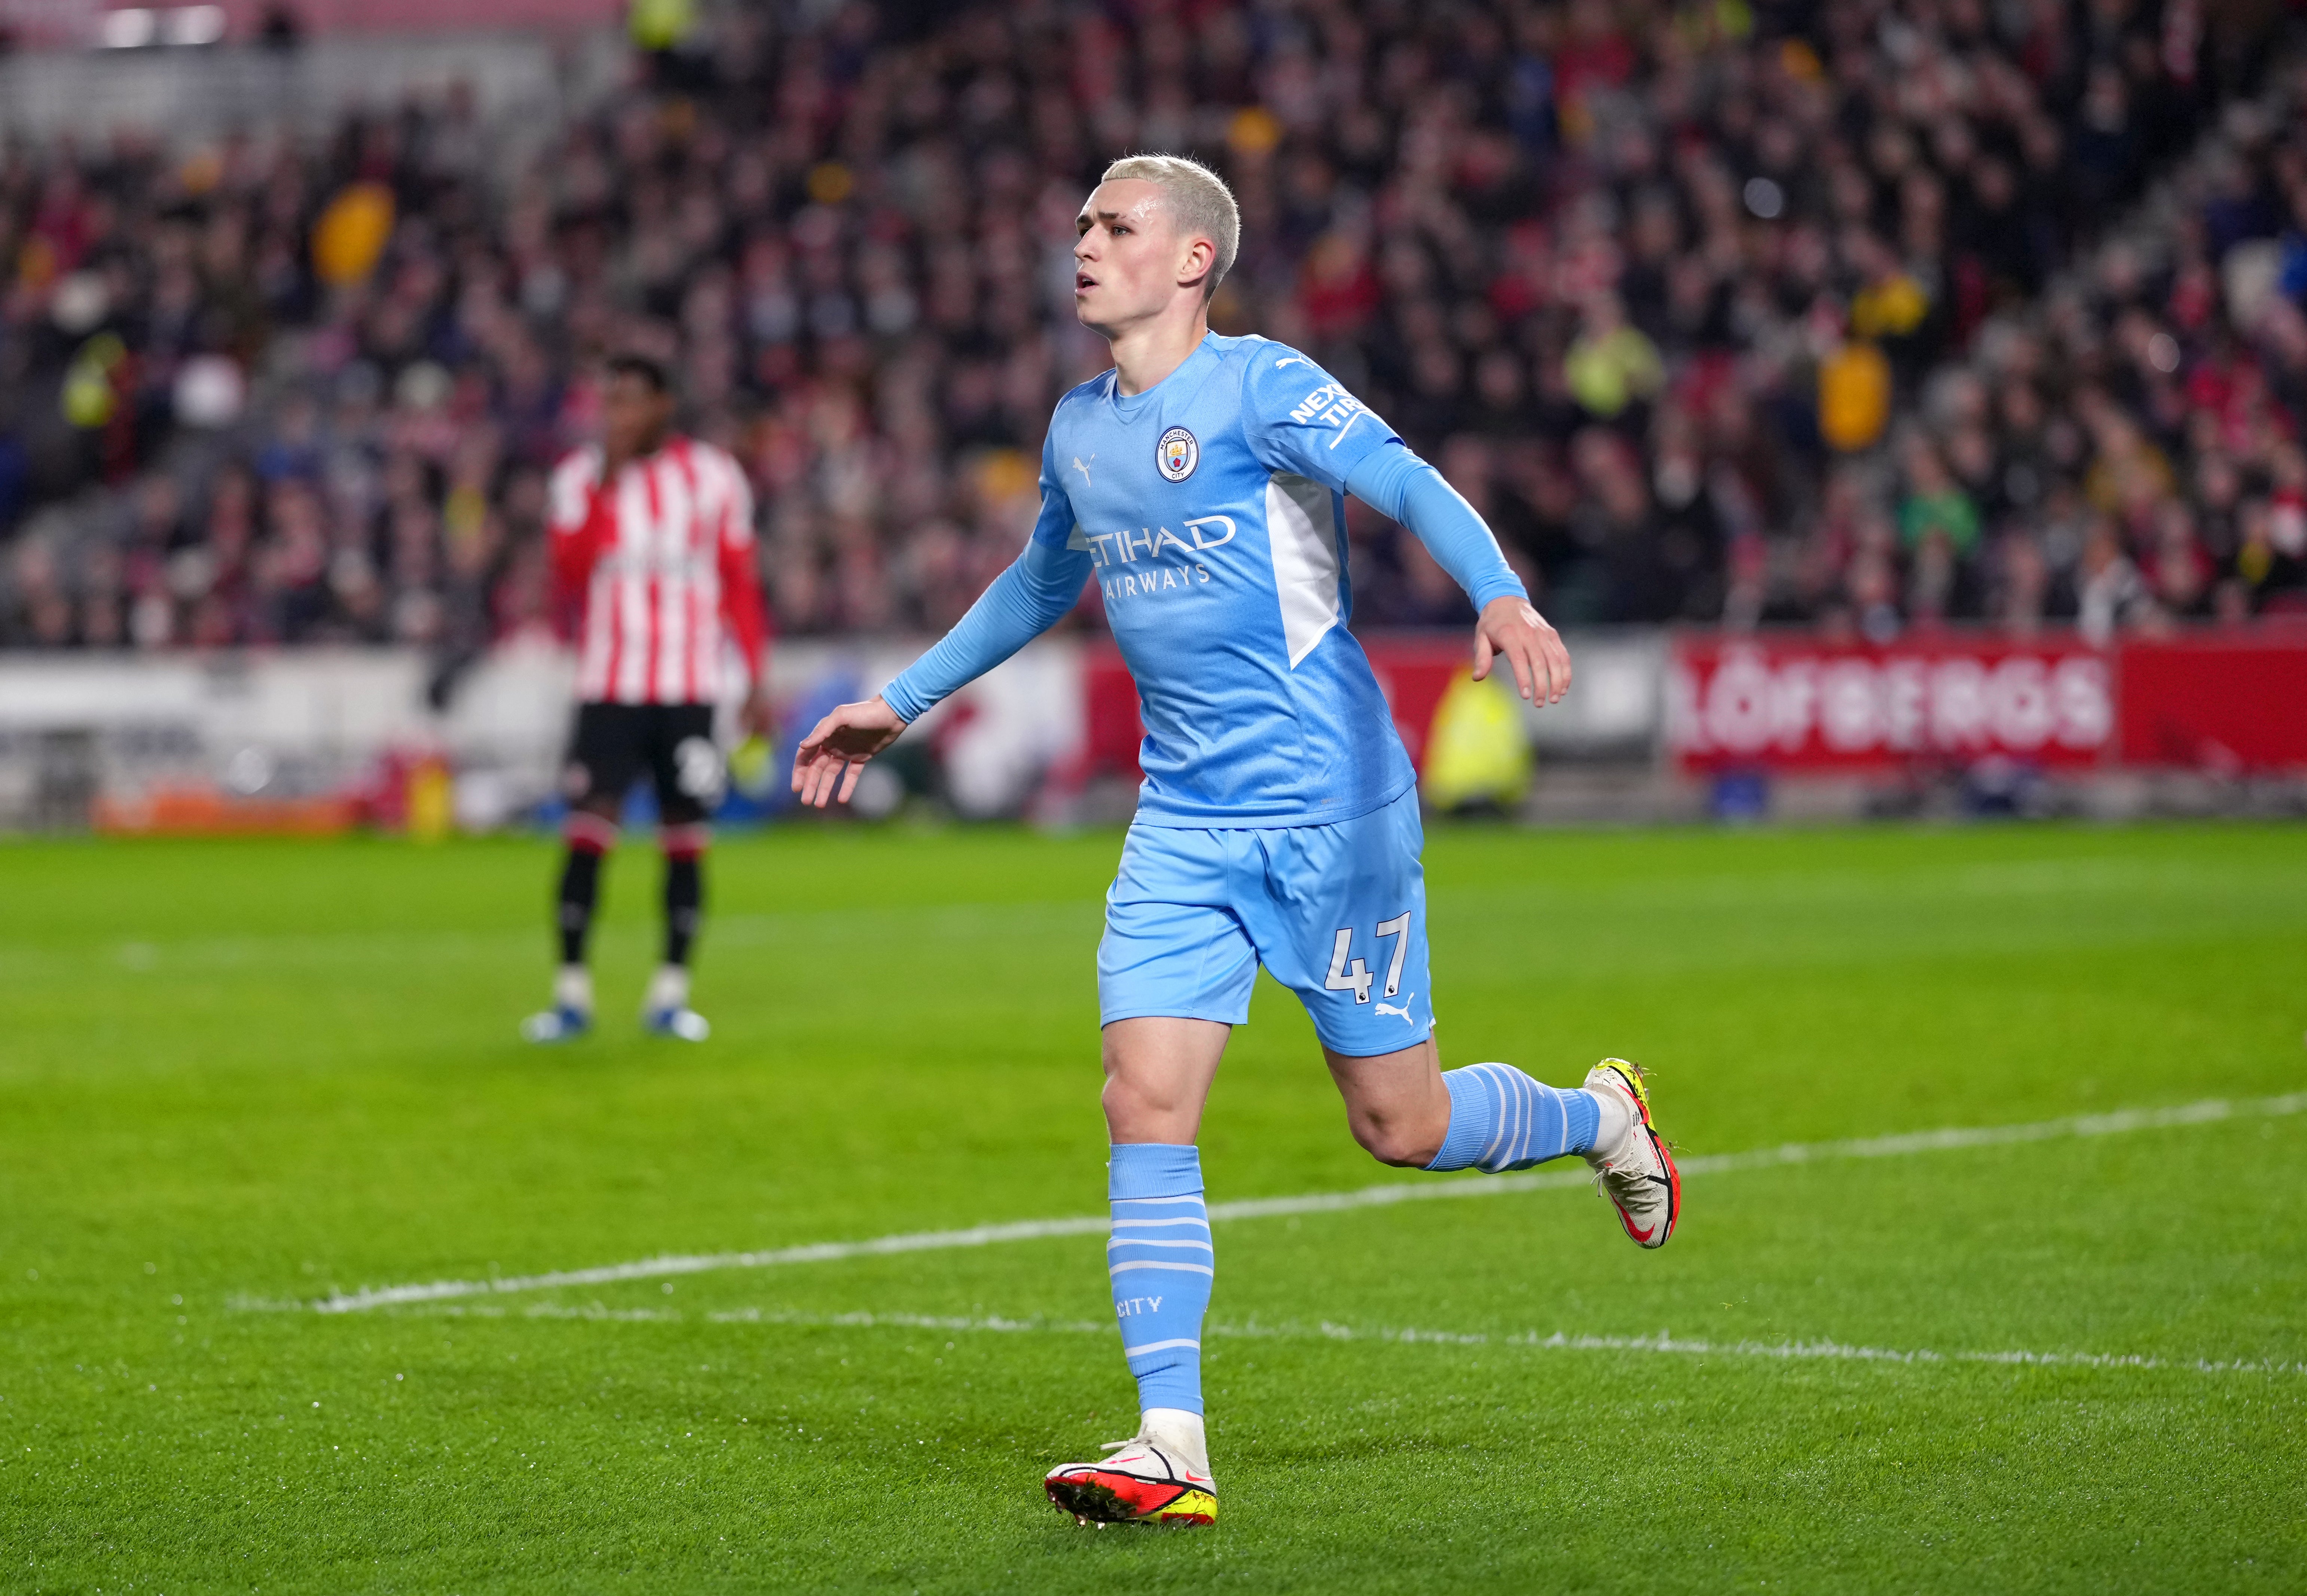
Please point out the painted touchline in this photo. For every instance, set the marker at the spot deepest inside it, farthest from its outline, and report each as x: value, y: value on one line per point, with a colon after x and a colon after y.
x: 1663, y: 1341
x: 2209, y: 1110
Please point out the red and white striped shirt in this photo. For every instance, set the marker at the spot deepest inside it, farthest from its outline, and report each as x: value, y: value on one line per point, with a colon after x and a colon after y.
x: 662, y: 559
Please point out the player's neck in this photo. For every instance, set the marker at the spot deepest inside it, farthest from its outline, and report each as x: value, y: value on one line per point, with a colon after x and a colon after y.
x: 611, y: 462
x: 1145, y: 353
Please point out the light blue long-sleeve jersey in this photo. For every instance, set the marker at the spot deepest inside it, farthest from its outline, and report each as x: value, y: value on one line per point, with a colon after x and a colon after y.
x: 1211, y: 511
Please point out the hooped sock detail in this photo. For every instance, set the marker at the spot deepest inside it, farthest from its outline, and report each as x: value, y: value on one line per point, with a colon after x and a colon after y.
x: 1161, y: 1265
x: 684, y: 841
x: 1471, y: 1119
x: 588, y: 833
x: 1500, y: 1119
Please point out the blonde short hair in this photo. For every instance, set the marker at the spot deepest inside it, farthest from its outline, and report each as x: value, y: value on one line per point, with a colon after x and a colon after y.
x: 1199, y: 201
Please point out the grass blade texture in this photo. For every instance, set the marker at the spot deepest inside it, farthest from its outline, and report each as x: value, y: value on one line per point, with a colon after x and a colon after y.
x: 238, y: 1080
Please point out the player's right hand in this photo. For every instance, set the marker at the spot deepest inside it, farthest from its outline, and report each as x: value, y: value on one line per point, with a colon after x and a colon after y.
x: 1509, y: 629
x: 832, y: 755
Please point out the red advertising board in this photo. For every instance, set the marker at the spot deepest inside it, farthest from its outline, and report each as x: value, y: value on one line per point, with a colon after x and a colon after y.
x: 2231, y: 703
x: 2227, y: 702
x: 1413, y: 673
x: 1109, y: 706
x: 1795, y: 703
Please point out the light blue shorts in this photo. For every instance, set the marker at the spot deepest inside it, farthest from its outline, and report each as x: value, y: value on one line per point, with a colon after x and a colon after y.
x: 1336, y: 912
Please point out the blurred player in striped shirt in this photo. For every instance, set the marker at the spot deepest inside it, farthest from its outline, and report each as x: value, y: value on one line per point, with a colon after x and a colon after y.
x: 652, y: 539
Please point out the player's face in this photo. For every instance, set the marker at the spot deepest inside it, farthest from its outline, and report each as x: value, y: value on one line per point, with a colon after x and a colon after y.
x: 633, y: 416
x: 1130, y: 261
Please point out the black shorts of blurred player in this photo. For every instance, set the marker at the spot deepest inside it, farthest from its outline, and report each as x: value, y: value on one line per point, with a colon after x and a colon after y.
x: 613, y: 743
x: 611, y: 747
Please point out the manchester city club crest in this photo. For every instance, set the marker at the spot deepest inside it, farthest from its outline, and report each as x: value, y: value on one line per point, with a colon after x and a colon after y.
x: 1177, y: 454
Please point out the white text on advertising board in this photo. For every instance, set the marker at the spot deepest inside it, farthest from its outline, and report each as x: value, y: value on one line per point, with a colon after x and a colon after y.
x: 1755, y: 705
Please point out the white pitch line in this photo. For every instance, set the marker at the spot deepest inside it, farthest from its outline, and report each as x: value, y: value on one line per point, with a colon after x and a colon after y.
x: 1558, y: 1341
x: 2121, y: 1121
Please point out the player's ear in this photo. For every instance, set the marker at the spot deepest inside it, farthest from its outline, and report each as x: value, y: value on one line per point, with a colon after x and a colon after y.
x: 1201, y: 256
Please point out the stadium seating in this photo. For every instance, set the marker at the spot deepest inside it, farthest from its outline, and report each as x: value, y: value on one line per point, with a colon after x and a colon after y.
x: 1870, y: 314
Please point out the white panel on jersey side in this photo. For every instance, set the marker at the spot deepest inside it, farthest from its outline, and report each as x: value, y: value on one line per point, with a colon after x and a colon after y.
x: 1300, y: 534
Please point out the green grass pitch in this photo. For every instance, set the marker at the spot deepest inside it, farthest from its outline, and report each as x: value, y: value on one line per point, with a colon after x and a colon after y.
x: 236, y: 1077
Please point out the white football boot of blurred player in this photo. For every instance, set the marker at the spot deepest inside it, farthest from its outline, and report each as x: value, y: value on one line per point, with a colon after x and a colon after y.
x: 667, y: 1012
x: 571, y: 1014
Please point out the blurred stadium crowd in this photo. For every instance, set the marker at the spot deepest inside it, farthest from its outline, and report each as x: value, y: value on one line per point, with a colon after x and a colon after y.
x: 1872, y: 314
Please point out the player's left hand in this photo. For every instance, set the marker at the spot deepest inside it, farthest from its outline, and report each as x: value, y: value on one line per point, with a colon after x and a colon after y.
x: 1541, y: 664
x: 827, y: 764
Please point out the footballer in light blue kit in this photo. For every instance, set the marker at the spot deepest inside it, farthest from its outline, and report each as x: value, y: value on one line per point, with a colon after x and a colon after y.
x: 1201, y: 484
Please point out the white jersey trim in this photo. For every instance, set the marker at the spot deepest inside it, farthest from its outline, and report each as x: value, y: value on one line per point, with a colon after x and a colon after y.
x: 1304, y: 546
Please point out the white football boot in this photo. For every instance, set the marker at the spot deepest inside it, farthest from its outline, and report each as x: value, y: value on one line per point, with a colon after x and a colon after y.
x: 1635, y: 1169
x: 667, y: 1013
x: 1159, y: 1476
x: 571, y: 1014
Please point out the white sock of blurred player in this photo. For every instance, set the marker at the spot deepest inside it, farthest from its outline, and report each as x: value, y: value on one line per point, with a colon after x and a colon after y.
x: 668, y: 989
x: 572, y: 988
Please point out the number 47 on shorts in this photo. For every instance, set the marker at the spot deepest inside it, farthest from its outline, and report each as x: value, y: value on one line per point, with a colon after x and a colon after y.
x: 1355, y: 976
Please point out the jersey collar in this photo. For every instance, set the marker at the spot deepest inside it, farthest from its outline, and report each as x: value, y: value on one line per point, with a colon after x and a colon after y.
x: 1131, y: 406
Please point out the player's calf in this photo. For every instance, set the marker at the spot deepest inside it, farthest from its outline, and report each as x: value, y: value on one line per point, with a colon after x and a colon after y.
x: 1161, y: 1265
x: 666, y: 1012
x: 1500, y: 1119
x: 590, y: 835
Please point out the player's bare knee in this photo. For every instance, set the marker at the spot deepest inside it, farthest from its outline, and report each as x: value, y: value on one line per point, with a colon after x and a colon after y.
x: 1126, y: 1101
x: 1392, y: 1141
x: 1148, y: 1107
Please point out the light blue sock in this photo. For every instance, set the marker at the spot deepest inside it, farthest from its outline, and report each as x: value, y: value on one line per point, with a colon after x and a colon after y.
x: 1162, y: 1267
x: 1502, y: 1119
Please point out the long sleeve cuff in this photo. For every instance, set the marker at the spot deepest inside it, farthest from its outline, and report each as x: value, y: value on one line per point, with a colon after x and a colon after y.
x: 902, y: 702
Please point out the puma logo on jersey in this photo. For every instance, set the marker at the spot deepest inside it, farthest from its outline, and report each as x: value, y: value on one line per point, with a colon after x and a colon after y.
x: 1403, y: 1011
x: 1082, y: 466
x: 1293, y: 360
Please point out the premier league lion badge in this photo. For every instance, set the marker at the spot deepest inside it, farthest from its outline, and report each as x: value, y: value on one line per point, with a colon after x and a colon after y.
x: 1177, y: 454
